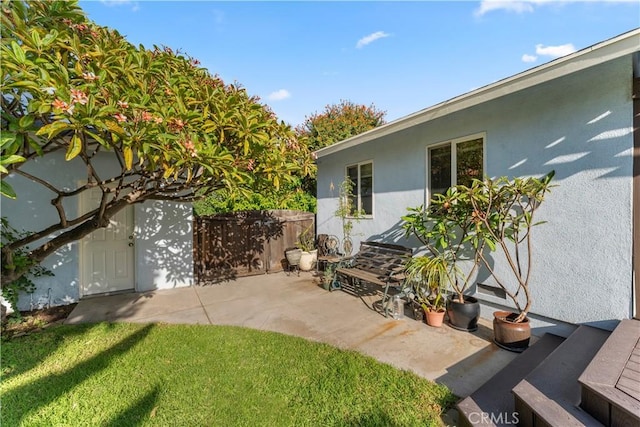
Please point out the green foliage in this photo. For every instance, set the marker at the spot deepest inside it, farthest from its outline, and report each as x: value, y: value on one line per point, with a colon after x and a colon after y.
x: 131, y: 375
x: 65, y: 76
x: 338, y: 122
x: 5, y: 160
x: 328, y: 276
x: 74, y: 89
x: 19, y: 260
x: 502, y: 211
x: 430, y: 278
x: 444, y: 228
x: 494, y: 214
x: 347, y: 213
x: 307, y: 239
x: 224, y: 202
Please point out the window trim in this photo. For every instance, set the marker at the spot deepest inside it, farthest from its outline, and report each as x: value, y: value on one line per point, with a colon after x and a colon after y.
x: 453, y: 143
x: 346, y: 174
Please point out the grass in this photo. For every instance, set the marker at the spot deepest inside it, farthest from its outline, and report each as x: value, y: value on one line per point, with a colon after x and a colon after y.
x: 129, y: 375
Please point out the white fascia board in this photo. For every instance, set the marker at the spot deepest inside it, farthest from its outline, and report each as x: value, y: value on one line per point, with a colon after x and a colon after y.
x: 616, y: 47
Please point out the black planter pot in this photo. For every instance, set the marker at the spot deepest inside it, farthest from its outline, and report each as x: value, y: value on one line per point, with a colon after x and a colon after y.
x: 463, y: 316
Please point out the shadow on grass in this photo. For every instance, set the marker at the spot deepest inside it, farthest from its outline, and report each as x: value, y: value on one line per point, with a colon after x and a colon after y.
x: 42, y: 344
x: 43, y: 391
x: 138, y: 412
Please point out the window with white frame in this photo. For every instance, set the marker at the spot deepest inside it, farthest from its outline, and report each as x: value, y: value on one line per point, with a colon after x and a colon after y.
x: 455, y: 162
x: 361, y: 176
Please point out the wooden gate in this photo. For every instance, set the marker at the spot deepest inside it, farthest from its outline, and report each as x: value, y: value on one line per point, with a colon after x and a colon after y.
x: 227, y: 246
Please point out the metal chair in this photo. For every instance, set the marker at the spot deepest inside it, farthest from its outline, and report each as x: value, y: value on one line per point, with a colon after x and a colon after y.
x: 328, y: 250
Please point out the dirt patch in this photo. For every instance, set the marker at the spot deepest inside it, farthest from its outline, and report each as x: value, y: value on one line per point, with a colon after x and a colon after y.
x: 34, y: 320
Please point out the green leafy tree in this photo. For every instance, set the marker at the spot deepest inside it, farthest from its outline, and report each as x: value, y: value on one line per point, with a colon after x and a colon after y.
x: 73, y: 89
x: 335, y: 123
x: 290, y: 197
x: 338, y: 122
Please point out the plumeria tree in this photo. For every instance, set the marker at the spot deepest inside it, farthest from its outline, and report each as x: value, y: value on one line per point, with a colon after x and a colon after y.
x: 73, y: 89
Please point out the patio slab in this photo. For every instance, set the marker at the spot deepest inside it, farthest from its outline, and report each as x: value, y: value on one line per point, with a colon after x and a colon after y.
x: 298, y: 306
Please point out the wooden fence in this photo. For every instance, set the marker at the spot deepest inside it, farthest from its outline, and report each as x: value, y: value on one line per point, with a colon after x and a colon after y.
x: 245, y: 243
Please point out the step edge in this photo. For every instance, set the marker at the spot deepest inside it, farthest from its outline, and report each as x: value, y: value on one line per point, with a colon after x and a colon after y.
x: 551, y: 414
x: 538, y: 354
x: 572, y: 409
x: 616, y: 397
x: 575, y: 336
x: 613, y: 354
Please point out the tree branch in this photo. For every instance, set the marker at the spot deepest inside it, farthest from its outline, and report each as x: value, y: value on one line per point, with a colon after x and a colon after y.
x: 38, y: 180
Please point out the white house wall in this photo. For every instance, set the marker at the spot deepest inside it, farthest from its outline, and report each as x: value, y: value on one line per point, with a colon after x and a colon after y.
x: 164, y: 245
x: 580, y: 126
x: 163, y: 237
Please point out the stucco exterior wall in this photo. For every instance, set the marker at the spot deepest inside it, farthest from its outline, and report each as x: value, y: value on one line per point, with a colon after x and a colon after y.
x: 579, y: 125
x: 164, y: 245
x: 163, y: 237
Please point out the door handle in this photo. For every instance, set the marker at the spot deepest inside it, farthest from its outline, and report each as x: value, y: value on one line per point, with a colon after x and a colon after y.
x: 130, y: 244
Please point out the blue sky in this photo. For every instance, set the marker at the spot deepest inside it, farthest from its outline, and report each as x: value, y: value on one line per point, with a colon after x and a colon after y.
x: 402, y: 57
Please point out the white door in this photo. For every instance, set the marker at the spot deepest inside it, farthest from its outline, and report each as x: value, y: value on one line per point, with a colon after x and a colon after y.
x: 107, y: 258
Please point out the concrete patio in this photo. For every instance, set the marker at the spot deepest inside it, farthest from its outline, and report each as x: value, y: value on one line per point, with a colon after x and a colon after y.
x: 299, y: 306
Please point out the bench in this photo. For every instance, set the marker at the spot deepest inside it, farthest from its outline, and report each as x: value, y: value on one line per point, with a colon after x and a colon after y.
x: 378, y: 263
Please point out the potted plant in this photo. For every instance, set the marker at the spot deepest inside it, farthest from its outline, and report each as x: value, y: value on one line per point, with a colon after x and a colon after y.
x: 444, y: 229
x: 430, y: 278
x: 309, y: 253
x: 328, y: 277
x: 293, y: 255
x: 503, y: 213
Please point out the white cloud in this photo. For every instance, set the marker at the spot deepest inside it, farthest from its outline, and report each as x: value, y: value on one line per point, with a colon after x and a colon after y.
x: 523, y: 6
x: 510, y: 6
x: 135, y: 6
x: 551, y: 51
x: 555, y: 51
x: 371, y: 38
x: 279, y: 95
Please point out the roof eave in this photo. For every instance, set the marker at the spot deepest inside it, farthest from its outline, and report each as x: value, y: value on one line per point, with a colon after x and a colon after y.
x: 599, y: 53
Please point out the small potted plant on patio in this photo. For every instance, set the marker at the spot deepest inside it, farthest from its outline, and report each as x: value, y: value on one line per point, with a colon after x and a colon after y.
x: 430, y: 278
x: 306, y: 243
x: 328, y: 276
x: 444, y: 228
x: 503, y: 213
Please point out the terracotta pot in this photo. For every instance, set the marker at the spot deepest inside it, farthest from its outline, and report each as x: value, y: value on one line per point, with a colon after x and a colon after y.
x: 463, y: 315
x: 509, y: 335
x: 435, y: 318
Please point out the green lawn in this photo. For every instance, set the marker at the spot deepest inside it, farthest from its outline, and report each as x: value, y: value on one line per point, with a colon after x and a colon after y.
x: 130, y: 374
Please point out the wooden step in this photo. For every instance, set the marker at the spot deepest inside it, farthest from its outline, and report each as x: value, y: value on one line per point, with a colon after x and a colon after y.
x: 492, y: 404
x: 550, y: 394
x: 611, y: 382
